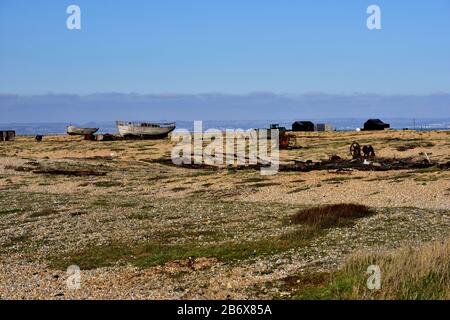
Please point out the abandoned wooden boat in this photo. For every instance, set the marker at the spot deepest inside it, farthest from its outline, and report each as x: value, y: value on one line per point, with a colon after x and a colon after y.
x: 144, y: 130
x: 73, y: 130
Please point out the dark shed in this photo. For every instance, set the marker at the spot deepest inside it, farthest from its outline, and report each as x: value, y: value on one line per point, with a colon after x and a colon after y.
x: 8, y: 135
x: 376, y: 124
x: 303, y: 126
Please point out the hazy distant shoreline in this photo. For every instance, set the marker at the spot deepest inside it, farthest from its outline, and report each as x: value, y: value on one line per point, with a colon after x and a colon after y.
x: 339, y: 124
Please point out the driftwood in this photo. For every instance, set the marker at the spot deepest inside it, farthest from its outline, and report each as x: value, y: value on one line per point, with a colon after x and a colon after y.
x: 192, y: 165
x: 99, y: 158
x: 334, y: 164
x: 108, y: 137
x: 19, y: 168
x: 54, y: 171
x: 90, y: 137
x: 73, y: 172
x: 361, y: 165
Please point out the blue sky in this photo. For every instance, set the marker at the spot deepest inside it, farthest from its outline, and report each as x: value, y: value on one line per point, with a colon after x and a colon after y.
x: 226, y: 46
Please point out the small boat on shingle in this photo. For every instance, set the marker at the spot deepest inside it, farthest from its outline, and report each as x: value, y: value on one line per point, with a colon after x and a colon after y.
x: 144, y: 130
x: 75, y: 131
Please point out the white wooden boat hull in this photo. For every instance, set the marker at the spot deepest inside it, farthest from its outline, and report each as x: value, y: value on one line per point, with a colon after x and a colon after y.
x: 72, y: 130
x: 144, y: 130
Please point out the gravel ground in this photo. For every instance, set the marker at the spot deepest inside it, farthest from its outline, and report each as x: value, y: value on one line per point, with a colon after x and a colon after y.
x: 46, y: 219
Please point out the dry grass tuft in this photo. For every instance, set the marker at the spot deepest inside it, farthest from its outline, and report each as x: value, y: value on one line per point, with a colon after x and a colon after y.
x: 408, y: 273
x: 411, y: 272
x: 336, y: 215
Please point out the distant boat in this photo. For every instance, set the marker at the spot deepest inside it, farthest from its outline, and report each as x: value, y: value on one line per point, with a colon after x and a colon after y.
x: 72, y: 130
x: 144, y: 129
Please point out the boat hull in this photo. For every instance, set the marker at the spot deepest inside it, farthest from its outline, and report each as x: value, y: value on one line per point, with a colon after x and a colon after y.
x: 75, y: 131
x: 144, y: 130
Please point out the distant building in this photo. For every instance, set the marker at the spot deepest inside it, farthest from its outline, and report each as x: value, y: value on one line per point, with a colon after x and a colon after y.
x: 303, y: 126
x: 324, y: 127
x: 375, y: 124
x: 8, y: 135
x: 276, y: 126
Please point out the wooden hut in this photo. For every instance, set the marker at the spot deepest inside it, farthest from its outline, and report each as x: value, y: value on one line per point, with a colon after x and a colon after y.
x: 375, y: 124
x: 8, y: 135
x: 303, y: 126
x: 324, y: 127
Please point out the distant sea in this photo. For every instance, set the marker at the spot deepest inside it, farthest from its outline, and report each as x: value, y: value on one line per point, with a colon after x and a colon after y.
x: 338, y: 124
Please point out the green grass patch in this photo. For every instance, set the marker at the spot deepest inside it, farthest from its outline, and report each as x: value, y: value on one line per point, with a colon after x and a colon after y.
x: 414, y: 145
x: 108, y: 184
x: 336, y: 287
x: 11, y: 211
x: 395, y: 178
x: 427, y: 170
x: 298, y: 181
x: 299, y: 190
x: 128, y: 204
x: 407, y: 273
x: 44, y: 213
x: 178, y: 189
x: 428, y: 178
x: 352, y: 285
x: 253, y: 180
x: 17, y: 240
x: 100, y: 202
x: 153, y: 254
x: 335, y: 180
x: 142, y: 215
x: 157, y: 178
x: 265, y: 184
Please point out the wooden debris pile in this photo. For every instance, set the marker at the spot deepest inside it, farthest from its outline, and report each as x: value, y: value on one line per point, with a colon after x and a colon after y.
x: 335, y: 164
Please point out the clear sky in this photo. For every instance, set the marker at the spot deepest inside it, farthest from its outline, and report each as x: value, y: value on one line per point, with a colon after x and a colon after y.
x: 225, y: 46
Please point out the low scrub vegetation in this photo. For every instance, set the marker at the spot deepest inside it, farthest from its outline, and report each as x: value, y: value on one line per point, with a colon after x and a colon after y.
x: 10, y: 211
x: 408, y: 273
x: 153, y: 254
x: 414, y: 145
x: 328, y: 216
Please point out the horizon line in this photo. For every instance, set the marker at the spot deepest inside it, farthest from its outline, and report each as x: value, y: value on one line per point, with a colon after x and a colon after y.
x: 307, y: 93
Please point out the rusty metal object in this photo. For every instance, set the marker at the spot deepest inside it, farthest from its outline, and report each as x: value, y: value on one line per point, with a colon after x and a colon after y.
x: 368, y: 151
x: 335, y: 158
x: 283, y: 140
x: 287, y: 141
x: 355, y: 150
x: 359, y: 152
